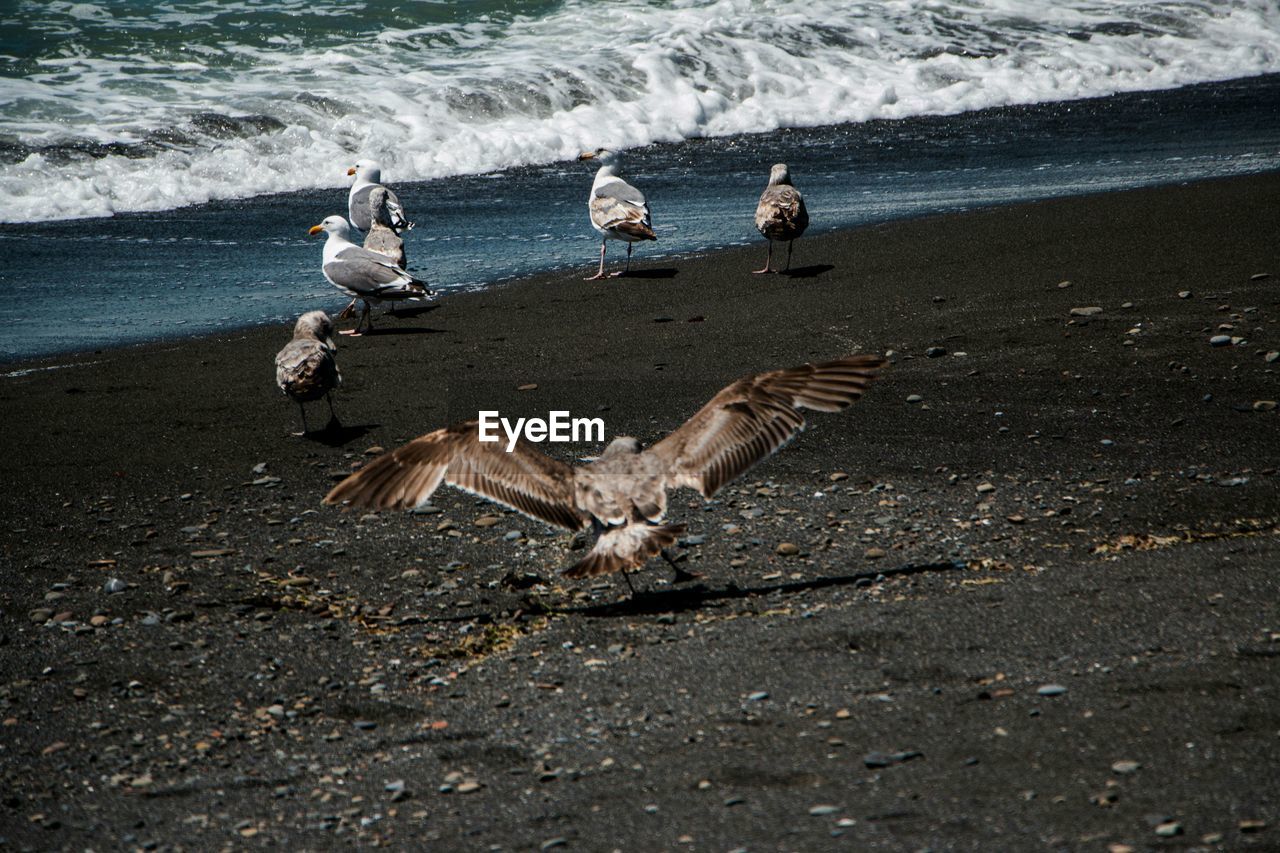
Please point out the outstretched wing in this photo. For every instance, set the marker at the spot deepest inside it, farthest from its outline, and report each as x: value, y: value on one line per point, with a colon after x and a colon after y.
x: 524, y: 479
x: 753, y: 418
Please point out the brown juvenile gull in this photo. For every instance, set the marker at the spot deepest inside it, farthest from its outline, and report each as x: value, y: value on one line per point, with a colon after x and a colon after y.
x: 382, y: 238
x: 622, y: 494
x: 306, y: 369
x: 618, y: 210
x: 369, y: 175
x: 781, y: 214
x: 364, y: 275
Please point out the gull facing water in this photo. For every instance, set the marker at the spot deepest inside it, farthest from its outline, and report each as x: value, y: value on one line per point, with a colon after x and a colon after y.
x: 364, y: 275
x: 781, y: 214
x: 306, y: 369
x: 381, y: 236
x: 369, y: 175
x: 618, y: 210
x: 622, y: 494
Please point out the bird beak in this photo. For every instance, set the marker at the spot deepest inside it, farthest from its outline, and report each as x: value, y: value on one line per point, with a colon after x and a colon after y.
x: 351, y: 171
x: 587, y: 155
x: 315, y: 229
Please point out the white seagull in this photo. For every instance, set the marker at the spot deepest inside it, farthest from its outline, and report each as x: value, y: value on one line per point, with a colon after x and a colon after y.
x: 306, y: 369
x: 618, y: 210
x: 622, y: 494
x: 369, y: 175
x: 781, y: 214
x: 362, y: 274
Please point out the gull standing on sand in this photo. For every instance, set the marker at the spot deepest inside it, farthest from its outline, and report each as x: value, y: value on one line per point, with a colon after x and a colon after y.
x: 369, y: 175
x: 362, y: 274
x: 381, y: 237
x: 618, y: 210
x: 306, y: 369
x: 622, y: 494
x: 781, y: 214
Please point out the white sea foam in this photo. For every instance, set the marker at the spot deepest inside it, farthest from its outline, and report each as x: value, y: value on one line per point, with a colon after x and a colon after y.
x: 481, y: 93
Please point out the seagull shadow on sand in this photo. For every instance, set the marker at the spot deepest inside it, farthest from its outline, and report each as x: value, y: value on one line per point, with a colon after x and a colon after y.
x: 678, y: 600
x: 387, y: 331
x: 336, y: 435
x: 411, y: 311
x: 693, y: 597
x: 663, y: 272
x: 811, y: 271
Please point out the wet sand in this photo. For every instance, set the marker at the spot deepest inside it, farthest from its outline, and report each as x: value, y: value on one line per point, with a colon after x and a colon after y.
x: 1032, y: 598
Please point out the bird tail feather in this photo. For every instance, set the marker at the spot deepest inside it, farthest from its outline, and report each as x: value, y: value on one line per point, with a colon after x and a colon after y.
x: 627, y: 547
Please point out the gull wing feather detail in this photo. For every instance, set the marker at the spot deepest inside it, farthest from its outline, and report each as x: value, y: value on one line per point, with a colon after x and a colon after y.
x: 753, y: 418
x: 524, y: 479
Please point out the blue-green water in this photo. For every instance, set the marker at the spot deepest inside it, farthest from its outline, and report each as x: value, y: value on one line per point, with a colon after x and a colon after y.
x: 161, y: 162
x: 75, y: 285
x: 128, y: 105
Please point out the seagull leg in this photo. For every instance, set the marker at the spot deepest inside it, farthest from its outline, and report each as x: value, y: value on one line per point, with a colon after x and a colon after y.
x: 627, y: 268
x: 789, y: 244
x: 768, y: 260
x: 305, y: 430
x: 682, y: 575
x: 600, y: 273
x: 334, y: 423
x: 627, y: 577
x: 347, y: 312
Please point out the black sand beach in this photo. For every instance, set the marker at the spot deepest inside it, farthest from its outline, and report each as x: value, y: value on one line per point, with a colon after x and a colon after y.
x: 1022, y: 596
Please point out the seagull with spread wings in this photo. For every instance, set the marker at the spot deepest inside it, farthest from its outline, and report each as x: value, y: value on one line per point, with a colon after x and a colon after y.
x: 621, y: 495
x: 618, y: 210
x: 364, y: 275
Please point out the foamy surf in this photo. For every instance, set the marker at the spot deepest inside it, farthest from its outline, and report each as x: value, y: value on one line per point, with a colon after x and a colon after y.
x: 142, y: 108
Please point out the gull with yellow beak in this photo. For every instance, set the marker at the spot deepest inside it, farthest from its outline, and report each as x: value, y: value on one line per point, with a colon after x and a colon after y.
x: 369, y: 175
x: 618, y: 210
x: 364, y: 275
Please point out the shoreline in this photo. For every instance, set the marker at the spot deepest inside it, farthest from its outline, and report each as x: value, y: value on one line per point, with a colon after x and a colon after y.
x: 566, y: 273
x: 1029, y: 598
x: 221, y: 267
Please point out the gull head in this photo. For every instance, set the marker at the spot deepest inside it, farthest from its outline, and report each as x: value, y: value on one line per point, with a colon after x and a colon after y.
x: 333, y: 225
x: 605, y: 157
x: 316, y: 326
x: 369, y: 171
x: 623, y: 445
x: 779, y: 174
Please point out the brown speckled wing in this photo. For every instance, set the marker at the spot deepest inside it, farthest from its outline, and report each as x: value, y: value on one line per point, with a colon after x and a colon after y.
x: 754, y: 417
x: 781, y: 214
x: 524, y: 479
x: 618, y: 206
x: 306, y: 370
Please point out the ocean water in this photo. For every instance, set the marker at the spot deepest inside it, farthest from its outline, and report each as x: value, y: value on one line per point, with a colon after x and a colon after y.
x: 160, y: 163
x: 136, y: 105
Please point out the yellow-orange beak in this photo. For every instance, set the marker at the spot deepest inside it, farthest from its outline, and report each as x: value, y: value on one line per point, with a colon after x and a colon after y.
x: 315, y: 229
x: 587, y: 155
x: 351, y: 171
